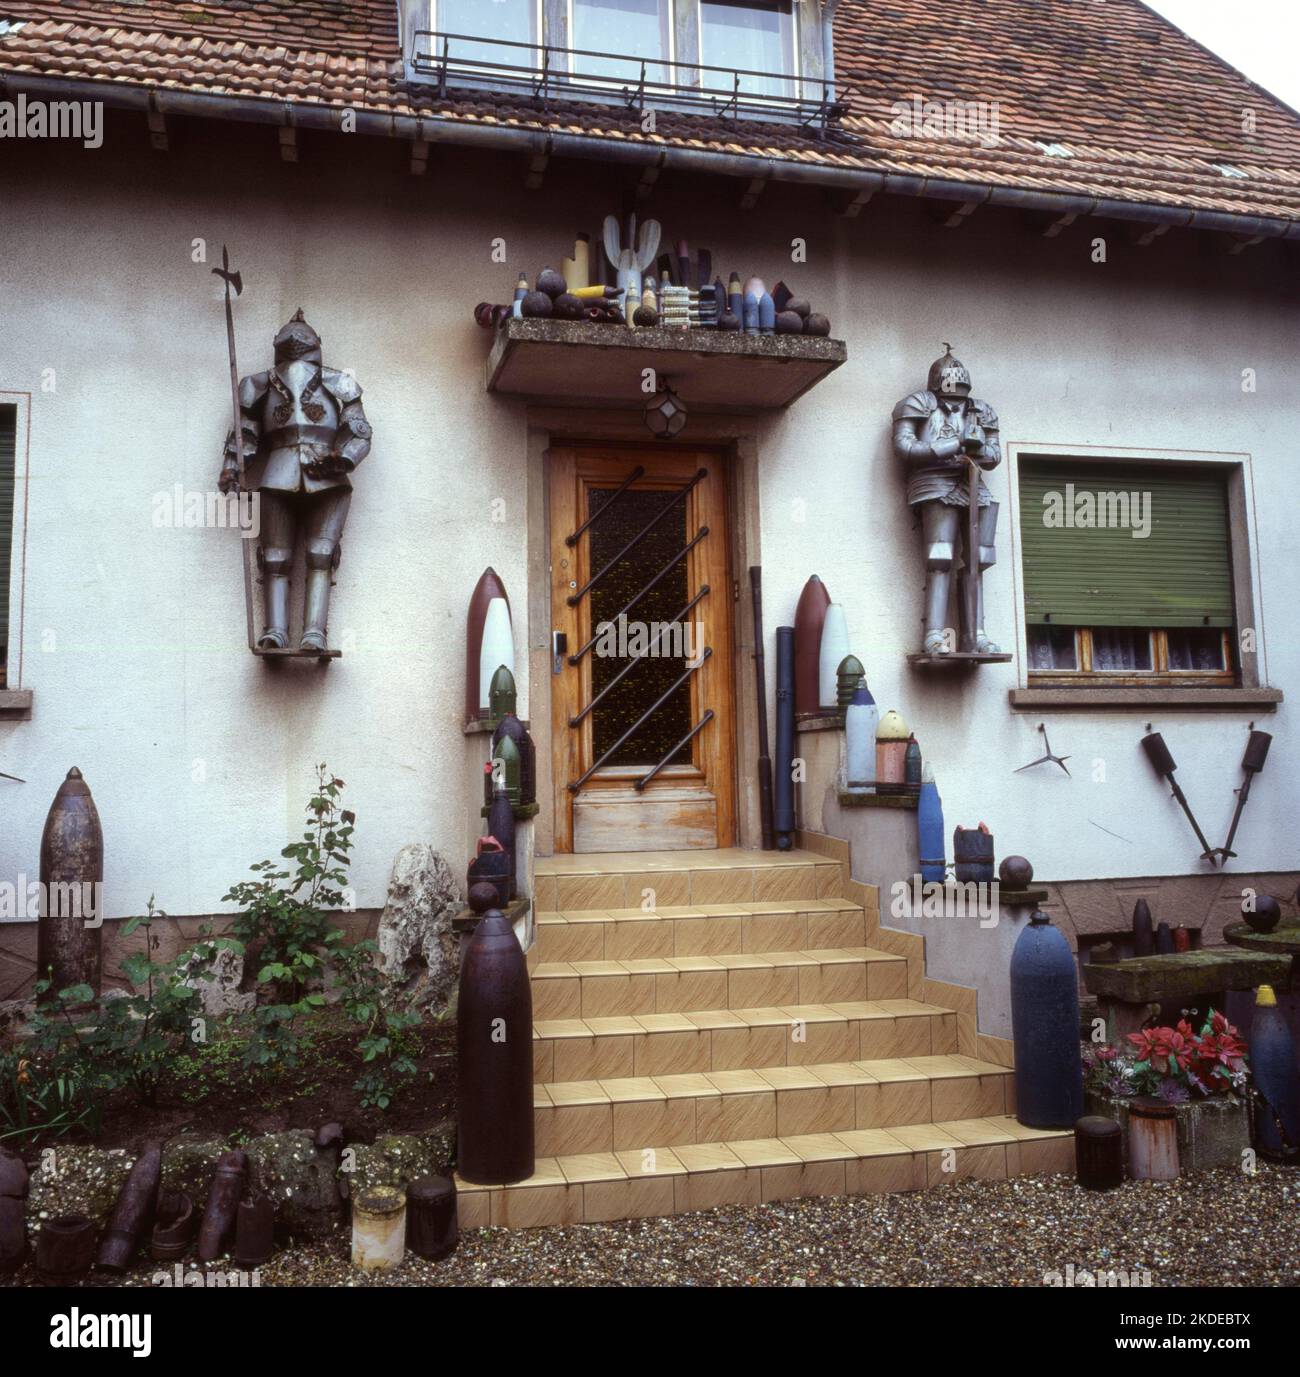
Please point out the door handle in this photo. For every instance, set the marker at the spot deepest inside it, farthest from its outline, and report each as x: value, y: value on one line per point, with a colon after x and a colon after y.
x: 559, y: 647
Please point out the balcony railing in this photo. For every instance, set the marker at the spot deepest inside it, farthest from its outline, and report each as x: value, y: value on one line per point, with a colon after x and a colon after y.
x: 545, y: 73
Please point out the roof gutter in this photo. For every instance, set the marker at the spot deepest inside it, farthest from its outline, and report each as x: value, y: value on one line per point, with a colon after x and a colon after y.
x: 507, y: 138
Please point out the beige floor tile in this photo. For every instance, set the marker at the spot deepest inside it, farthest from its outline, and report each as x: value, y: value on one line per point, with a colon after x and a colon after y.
x: 534, y: 1207
x: 590, y: 891
x: 840, y: 1073
x: 791, y: 1077
x: 967, y: 1097
x: 833, y: 983
x: 803, y: 1181
x: 835, y: 929
x: 665, y: 1054
x: 988, y: 1163
x: 893, y: 1102
x: 765, y: 1152
x: 687, y: 1086
x: 871, y: 1142
x: 682, y: 990
x: 887, y: 980
x: 819, y: 1110
x: 715, y: 1189
x: 924, y: 1137
x: 824, y: 1042
x: 707, y: 936
x: 543, y: 1059
x: 653, y: 1123
x: 713, y: 1018
x: 633, y: 938
x: 706, y: 1157
x: 736, y: 1082
x: 763, y: 985
x: 878, y: 1175
x: 721, y: 886
x: 786, y: 882
x: 784, y: 931
x: 650, y: 1162
x: 577, y: 1092
x: 731, y: 1118
x: 972, y: 1132
x: 748, y: 1048
x: 594, y: 1166
x: 648, y: 1197
x: 815, y: 1147
x: 565, y: 941
x: 544, y: 893
x: 593, y: 1058
x: 1041, y: 1156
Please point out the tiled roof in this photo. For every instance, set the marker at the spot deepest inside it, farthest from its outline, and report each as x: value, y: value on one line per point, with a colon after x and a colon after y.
x: 1103, y: 100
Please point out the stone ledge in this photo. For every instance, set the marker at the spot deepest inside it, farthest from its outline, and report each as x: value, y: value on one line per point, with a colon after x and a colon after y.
x: 1175, y: 975
x: 16, y: 703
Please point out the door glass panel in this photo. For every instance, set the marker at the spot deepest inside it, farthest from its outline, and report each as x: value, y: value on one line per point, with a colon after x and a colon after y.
x: 750, y: 37
x: 628, y: 30
x: 512, y: 21
x: 619, y: 641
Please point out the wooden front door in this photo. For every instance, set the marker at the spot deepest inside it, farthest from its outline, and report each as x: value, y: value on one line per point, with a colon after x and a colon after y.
x: 642, y: 713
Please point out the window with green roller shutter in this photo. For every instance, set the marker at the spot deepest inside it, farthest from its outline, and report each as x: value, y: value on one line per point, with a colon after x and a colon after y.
x: 8, y: 450
x: 1127, y: 569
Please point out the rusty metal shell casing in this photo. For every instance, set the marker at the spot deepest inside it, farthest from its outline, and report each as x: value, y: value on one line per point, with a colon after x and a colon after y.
x: 174, y: 1225
x: 1098, y: 1153
x: 432, y: 1226
x: 13, y: 1213
x: 223, y: 1203
x: 134, y: 1212
x: 65, y: 1249
x: 72, y: 870
x: 494, y: 1023
x: 255, y: 1231
x: 501, y: 825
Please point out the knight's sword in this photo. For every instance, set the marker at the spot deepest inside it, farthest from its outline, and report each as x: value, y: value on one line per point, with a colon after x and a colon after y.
x: 235, y: 280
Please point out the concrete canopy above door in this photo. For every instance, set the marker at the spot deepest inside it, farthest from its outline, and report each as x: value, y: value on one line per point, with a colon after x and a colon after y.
x: 715, y: 370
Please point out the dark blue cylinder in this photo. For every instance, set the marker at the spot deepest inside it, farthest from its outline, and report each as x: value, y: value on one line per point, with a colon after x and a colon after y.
x: 783, y: 808
x: 1277, y: 1083
x: 929, y: 830
x: 1045, y: 1027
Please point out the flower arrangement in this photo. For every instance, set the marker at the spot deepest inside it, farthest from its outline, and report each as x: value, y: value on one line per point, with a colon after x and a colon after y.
x: 1172, y: 1064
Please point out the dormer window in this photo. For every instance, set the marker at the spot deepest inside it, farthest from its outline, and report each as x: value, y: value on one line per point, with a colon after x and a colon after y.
x: 631, y: 31
x: 737, y: 59
x: 500, y: 22
x: 751, y: 38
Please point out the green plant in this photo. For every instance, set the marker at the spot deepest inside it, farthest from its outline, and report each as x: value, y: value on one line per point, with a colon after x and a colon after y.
x: 35, y: 1105
x: 100, y: 1045
x: 387, y: 1045
x: 285, y: 926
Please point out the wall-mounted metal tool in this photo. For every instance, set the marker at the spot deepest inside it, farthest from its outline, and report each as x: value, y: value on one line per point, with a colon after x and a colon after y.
x: 1163, y: 762
x: 1251, y: 763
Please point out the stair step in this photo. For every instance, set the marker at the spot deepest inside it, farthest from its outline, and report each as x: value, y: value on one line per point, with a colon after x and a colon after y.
x: 700, y: 930
x: 619, y: 1046
x: 675, y: 984
x: 577, y: 1117
x: 632, y: 879
x: 641, y: 1183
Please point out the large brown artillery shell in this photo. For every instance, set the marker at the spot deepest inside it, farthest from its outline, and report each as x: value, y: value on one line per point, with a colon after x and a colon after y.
x: 223, y: 1201
x: 488, y: 587
x: 432, y: 1227
x: 65, y: 1249
x: 808, y: 619
x: 495, y: 1053
x: 134, y: 1212
x: 72, y: 868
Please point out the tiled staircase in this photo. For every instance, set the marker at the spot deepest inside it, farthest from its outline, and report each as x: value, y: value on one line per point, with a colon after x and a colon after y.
x: 730, y: 1027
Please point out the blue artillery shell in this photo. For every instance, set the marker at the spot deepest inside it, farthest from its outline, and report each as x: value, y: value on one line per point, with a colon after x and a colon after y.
x: 930, y: 834
x: 1273, y: 1064
x: 1045, y: 1027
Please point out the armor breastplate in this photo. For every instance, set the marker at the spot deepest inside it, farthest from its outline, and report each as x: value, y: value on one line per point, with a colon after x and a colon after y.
x: 297, y: 398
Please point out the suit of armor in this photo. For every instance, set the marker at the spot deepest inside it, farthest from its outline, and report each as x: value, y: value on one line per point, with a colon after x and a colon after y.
x: 935, y: 433
x: 305, y: 425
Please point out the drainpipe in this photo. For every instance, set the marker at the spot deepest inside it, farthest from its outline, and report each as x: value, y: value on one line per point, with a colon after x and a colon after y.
x: 506, y: 138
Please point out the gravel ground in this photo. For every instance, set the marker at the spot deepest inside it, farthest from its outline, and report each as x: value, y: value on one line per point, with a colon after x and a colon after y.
x: 1215, y: 1228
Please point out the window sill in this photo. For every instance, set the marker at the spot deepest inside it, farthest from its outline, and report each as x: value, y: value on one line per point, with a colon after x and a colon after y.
x: 15, y: 704
x: 1157, y: 695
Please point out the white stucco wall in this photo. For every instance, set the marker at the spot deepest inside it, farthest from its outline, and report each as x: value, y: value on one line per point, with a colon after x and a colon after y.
x: 200, y: 757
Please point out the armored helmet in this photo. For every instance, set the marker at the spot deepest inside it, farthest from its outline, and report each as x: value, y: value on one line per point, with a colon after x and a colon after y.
x: 297, y: 340
x: 949, y: 376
